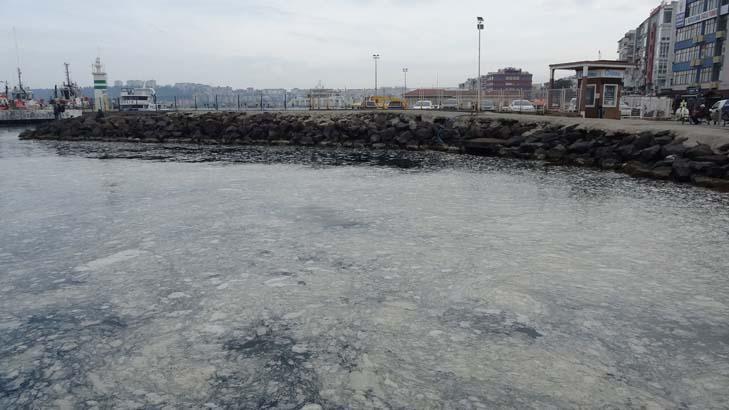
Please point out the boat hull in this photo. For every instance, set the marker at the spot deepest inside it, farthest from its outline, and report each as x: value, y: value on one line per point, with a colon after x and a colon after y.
x: 11, y: 117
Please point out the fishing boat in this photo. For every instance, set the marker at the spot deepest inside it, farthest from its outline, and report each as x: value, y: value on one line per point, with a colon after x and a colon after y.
x: 19, y: 106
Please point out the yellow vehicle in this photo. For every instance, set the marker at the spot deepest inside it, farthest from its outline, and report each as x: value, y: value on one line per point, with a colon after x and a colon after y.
x: 378, y: 102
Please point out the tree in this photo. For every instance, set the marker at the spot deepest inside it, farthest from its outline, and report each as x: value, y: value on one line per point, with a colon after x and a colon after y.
x: 562, y: 83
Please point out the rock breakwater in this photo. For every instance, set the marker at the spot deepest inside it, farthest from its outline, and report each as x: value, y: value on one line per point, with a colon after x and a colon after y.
x: 657, y: 154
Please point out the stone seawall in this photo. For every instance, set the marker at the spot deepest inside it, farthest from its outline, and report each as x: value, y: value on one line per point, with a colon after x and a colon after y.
x: 657, y: 154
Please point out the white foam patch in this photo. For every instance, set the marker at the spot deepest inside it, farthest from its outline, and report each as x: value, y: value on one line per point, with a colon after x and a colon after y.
x: 111, y: 260
x: 277, y: 283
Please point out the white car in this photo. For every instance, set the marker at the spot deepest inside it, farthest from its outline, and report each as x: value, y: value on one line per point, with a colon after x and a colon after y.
x: 625, y: 110
x: 719, y: 106
x: 573, y: 105
x: 423, y: 105
x: 522, y: 106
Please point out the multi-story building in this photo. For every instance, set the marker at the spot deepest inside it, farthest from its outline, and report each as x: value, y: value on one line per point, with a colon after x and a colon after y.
x: 627, y: 52
x: 649, y: 49
x: 507, y: 79
x: 700, y: 59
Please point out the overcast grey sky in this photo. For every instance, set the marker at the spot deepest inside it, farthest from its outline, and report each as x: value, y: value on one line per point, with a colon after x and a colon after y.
x: 287, y: 43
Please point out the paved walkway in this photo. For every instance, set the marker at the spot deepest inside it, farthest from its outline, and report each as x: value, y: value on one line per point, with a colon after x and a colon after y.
x: 715, y: 136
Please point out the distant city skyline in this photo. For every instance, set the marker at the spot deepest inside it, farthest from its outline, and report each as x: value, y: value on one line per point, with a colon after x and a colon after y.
x: 282, y: 44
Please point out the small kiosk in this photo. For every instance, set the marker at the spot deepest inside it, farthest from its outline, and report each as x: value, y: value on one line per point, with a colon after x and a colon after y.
x: 599, y: 84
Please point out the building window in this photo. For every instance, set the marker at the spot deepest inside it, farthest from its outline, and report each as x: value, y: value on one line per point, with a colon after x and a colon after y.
x: 695, y: 8
x: 662, y: 68
x: 688, y: 32
x: 665, y: 46
x: 590, y: 95
x: 687, y: 54
x: 684, y: 77
x: 706, y: 75
x: 707, y: 51
x: 667, y: 16
x: 710, y: 27
x: 712, y: 4
x: 610, y: 95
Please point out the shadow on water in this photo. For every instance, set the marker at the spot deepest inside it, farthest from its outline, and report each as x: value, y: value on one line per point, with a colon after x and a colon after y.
x: 316, y: 157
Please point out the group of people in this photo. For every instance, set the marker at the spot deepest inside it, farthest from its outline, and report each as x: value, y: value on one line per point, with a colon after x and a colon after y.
x: 698, y: 113
x: 58, y: 109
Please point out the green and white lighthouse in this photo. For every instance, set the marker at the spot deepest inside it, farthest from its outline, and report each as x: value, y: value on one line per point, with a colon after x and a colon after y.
x: 101, y: 99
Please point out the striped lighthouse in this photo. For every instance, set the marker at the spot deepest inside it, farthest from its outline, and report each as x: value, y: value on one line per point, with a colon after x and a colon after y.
x: 101, y: 100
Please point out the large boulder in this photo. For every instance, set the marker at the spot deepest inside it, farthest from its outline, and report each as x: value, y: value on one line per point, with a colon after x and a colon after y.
x: 677, y: 150
x: 699, y: 150
x: 643, y: 140
x: 651, y: 154
x: 581, y: 146
x: 682, y: 170
x: 709, y: 182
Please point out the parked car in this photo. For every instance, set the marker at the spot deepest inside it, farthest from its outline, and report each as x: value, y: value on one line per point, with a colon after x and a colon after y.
x: 423, y: 105
x: 396, y: 104
x: 450, y: 105
x: 487, y: 105
x: 625, y: 110
x: 522, y: 106
x: 370, y: 105
x: 573, y: 105
x: 719, y: 106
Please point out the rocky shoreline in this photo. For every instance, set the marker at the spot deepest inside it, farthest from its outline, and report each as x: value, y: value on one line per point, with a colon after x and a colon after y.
x: 658, y: 154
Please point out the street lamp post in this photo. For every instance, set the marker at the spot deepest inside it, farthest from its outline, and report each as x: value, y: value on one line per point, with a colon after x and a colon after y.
x: 376, y: 57
x: 479, y: 27
x: 405, y: 88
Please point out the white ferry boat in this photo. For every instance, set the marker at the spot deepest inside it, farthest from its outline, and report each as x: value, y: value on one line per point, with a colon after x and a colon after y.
x: 138, y: 99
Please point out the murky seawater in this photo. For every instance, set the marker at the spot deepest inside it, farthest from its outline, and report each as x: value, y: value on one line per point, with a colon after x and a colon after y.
x: 186, y: 277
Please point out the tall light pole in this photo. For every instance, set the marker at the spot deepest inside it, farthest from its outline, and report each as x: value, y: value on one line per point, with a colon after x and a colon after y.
x: 405, y: 88
x: 375, y: 57
x: 479, y: 27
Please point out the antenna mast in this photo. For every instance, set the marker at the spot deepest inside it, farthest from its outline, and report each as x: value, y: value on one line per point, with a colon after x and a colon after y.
x: 68, y: 75
x: 17, y: 56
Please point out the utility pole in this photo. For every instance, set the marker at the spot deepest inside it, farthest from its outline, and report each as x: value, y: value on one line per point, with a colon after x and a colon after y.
x: 479, y: 27
x: 376, y: 57
x: 405, y: 85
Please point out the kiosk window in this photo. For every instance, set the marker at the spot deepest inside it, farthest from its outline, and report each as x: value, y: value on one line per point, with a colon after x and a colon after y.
x: 590, y: 95
x: 610, y: 96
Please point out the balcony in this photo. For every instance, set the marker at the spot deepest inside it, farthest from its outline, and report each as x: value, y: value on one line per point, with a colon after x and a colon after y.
x: 720, y: 34
x: 698, y: 39
x: 717, y: 59
x: 697, y: 62
x: 710, y: 85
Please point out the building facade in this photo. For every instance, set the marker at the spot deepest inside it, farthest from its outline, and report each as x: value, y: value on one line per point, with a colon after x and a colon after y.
x: 507, y: 79
x: 700, y: 59
x: 626, y: 52
x: 649, y: 48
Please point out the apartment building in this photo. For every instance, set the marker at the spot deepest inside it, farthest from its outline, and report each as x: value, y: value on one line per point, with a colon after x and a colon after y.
x: 700, y: 59
x: 648, y: 48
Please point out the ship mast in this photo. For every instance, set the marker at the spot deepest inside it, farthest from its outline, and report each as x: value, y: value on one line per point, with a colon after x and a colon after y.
x: 17, y: 56
x: 68, y: 75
